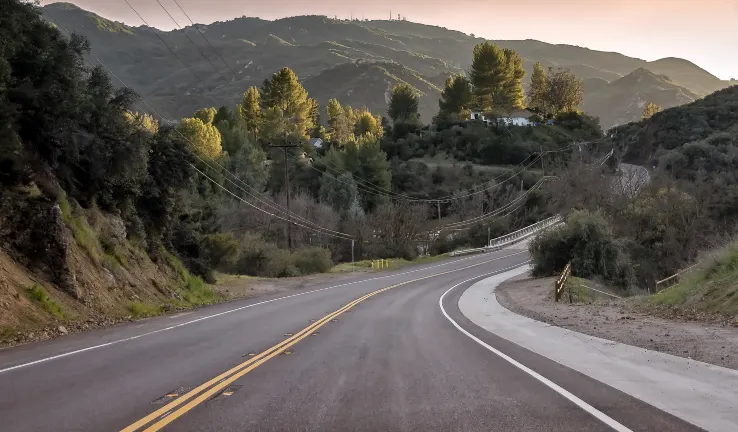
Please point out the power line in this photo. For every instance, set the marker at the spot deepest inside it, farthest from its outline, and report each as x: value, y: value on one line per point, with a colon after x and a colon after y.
x: 190, y: 39
x: 206, y: 39
x: 267, y: 202
x: 163, y: 42
x: 262, y: 210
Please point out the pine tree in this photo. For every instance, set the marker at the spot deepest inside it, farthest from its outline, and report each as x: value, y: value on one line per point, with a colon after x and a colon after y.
x: 403, y: 106
x: 250, y: 110
x: 514, y: 94
x: 489, y: 75
x: 204, y: 137
x: 538, y: 91
x: 456, y: 98
x: 285, y: 92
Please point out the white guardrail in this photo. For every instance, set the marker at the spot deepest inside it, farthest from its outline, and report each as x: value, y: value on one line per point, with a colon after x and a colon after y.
x: 512, y: 238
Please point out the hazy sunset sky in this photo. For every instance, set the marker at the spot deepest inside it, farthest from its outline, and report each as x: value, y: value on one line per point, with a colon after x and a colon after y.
x: 702, y: 31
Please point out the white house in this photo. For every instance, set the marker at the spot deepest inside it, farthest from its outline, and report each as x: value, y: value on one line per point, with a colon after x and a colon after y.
x: 518, y: 118
x: 476, y: 115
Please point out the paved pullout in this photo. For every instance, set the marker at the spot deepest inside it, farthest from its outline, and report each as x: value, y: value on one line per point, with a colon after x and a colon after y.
x: 393, y: 361
x: 701, y: 393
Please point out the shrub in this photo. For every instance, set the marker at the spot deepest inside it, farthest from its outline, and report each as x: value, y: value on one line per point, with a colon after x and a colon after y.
x: 280, y: 263
x: 38, y: 294
x: 588, y: 242
x: 313, y: 260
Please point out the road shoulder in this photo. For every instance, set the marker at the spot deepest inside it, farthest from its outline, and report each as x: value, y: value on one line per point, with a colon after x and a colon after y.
x: 699, y: 393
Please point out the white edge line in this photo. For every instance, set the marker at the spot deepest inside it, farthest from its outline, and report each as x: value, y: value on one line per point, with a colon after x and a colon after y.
x: 94, y: 347
x: 555, y: 387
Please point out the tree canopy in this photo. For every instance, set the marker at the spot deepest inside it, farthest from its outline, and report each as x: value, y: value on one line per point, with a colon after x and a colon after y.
x: 403, y: 105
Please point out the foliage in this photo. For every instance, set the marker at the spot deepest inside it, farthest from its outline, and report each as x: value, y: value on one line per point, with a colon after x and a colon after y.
x: 313, y: 260
x: 339, y: 192
x: 403, y: 105
x: 206, y: 115
x: 38, y: 294
x: 649, y: 110
x: 204, y: 137
x: 565, y: 92
x: 539, y: 89
x: 456, y: 98
x: 588, y: 242
x: 497, y: 77
x: 250, y: 110
x: 284, y: 92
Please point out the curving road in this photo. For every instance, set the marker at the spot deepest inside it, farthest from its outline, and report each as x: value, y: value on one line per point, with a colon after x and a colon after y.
x: 388, y: 352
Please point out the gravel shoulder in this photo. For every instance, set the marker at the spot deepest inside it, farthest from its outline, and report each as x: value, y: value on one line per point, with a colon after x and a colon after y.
x: 620, y: 321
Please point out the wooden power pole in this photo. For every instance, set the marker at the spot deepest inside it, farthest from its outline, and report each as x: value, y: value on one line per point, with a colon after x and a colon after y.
x: 284, y: 147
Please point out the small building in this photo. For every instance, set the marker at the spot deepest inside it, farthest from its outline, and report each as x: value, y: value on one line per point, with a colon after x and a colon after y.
x: 518, y: 118
x: 316, y: 142
x: 476, y: 115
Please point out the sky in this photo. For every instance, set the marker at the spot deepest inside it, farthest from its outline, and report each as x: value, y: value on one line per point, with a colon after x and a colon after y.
x: 704, y: 32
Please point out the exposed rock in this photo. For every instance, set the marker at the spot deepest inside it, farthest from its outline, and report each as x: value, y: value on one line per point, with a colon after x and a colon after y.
x: 36, y: 231
x: 62, y: 330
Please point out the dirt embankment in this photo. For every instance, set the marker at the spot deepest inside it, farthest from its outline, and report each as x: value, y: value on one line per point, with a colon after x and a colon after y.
x: 622, y: 321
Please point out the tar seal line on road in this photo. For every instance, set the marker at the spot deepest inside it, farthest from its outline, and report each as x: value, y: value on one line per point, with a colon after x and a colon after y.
x: 555, y: 387
x: 168, y: 413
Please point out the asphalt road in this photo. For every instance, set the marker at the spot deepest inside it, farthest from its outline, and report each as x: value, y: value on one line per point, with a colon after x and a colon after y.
x: 379, y: 353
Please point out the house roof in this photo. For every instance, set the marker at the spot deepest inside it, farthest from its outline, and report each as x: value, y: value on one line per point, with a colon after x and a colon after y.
x: 316, y: 142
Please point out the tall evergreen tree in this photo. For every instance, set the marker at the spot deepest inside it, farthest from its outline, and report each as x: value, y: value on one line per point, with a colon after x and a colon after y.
x: 489, y: 75
x: 403, y: 106
x: 538, y: 91
x: 514, y: 94
x: 285, y: 92
x: 250, y: 110
x: 457, y: 97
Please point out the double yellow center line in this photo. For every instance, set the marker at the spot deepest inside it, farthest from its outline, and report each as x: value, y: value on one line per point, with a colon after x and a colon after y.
x: 171, y: 411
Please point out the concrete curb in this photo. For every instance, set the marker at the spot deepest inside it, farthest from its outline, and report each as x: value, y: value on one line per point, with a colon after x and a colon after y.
x: 702, y: 394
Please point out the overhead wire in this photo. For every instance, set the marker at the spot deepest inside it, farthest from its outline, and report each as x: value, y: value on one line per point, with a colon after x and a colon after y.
x: 163, y: 42
x: 189, y: 38
x: 267, y: 202
x: 205, y: 38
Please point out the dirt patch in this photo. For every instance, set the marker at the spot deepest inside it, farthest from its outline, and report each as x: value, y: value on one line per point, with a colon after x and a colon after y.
x: 621, y: 321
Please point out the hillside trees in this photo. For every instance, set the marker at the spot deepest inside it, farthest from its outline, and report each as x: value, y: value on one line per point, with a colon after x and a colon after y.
x: 403, y: 105
x: 250, y: 109
x: 206, y: 115
x: 649, y: 110
x: 539, y: 88
x: 497, y: 76
x: 203, y: 136
x: 456, y: 98
x: 566, y: 91
x: 285, y: 93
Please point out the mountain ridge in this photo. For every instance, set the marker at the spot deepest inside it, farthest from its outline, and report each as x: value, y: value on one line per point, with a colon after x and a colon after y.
x: 254, y: 48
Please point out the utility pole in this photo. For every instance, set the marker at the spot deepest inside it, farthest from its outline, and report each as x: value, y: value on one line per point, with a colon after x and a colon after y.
x: 488, y: 239
x: 353, y: 268
x: 284, y: 147
x: 439, y: 210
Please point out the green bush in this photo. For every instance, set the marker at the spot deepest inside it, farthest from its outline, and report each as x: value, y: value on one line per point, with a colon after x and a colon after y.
x: 280, y: 263
x: 588, y: 242
x: 313, y: 260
